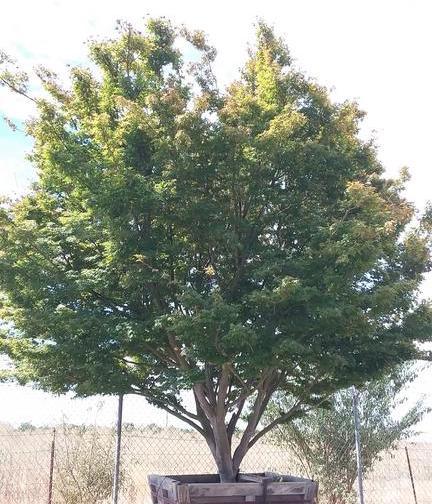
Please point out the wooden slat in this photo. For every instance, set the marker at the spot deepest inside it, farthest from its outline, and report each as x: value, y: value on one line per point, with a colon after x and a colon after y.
x: 164, y: 487
x: 228, y: 489
x: 277, y: 478
x: 251, y: 478
x: 288, y: 488
x: 282, y: 499
x: 161, y: 481
x: 224, y: 489
x: 239, y: 499
x: 289, y: 478
x: 195, y: 478
x: 274, y: 499
x: 183, y: 494
x: 312, y: 492
x: 219, y: 500
x: 203, y: 489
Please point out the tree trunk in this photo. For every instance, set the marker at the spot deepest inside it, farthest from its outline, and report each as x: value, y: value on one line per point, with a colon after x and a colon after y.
x: 228, y: 464
x: 212, y: 409
x: 222, y: 453
x: 226, y: 472
x: 223, y: 459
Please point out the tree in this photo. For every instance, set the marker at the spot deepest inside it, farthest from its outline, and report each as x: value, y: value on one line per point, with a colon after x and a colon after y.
x: 228, y: 242
x: 26, y: 427
x: 322, y: 443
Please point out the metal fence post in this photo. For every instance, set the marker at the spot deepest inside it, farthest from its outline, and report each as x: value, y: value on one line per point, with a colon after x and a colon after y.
x: 116, y: 477
x: 358, y: 446
x: 51, y: 472
x: 411, y: 475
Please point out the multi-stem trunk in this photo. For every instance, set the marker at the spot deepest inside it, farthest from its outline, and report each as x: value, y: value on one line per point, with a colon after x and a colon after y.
x: 219, y: 399
x: 219, y: 440
x: 212, y: 413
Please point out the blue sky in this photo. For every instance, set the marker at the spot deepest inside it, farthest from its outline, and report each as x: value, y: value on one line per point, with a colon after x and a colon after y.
x: 377, y: 52
x: 16, y: 172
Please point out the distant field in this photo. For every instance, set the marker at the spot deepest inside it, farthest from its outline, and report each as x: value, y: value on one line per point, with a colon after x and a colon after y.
x: 83, y: 465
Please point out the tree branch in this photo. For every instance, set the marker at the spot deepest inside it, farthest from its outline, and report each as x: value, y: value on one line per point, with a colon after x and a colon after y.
x: 199, y: 391
x: 295, y: 409
x: 202, y: 416
x: 209, y: 384
x: 425, y: 355
x: 266, y: 387
x: 183, y: 363
x: 222, y: 391
x: 16, y: 90
x: 234, y: 418
x: 286, y: 416
x: 180, y: 416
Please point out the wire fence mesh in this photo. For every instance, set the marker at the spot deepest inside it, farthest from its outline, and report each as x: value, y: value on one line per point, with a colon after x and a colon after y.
x: 83, y: 463
x: 390, y: 481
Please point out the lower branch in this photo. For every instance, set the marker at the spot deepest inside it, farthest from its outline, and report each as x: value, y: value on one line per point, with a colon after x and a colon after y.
x: 265, y: 391
x: 160, y: 404
x: 234, y: 419
x: 295, y: 410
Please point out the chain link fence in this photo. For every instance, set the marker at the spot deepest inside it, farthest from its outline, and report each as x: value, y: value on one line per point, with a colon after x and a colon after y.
x: 392, y: 482
x: 73, y: 463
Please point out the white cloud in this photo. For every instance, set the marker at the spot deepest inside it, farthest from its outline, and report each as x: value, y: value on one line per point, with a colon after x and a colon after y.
x: 16, y: 175
x: 15, y: 108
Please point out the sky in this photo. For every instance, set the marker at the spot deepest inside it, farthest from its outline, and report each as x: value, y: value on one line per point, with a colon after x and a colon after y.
x: 374, y: 52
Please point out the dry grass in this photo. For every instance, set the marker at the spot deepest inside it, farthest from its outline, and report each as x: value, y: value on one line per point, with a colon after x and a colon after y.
x: 390, y: 482
x: 83, y: 461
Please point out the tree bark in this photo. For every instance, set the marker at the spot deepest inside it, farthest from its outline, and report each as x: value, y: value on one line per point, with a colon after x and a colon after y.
x: 223, y: 459
x: 212, y: 408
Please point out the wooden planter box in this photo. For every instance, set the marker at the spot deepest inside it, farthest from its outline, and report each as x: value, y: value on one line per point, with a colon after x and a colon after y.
x: 264, y: 488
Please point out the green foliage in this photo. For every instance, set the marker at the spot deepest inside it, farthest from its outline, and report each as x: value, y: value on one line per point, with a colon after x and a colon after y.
x: 182, y: 237
x: 26, y: 427
x: 322, y: 442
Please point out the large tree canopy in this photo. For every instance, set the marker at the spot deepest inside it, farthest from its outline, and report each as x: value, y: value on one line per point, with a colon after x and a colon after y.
x: 180, y: 237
